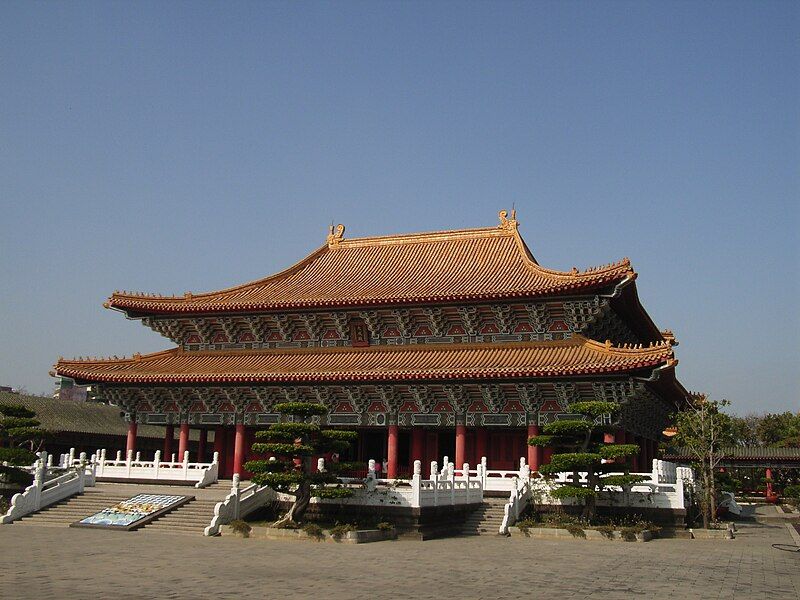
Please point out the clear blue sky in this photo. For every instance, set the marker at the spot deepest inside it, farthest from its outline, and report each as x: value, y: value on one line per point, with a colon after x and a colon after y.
x: 168, y: 147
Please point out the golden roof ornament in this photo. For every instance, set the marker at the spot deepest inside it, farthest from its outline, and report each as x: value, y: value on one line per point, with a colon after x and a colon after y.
x: 505, y: 222
x: 669, y: 337
x: 335, y: 235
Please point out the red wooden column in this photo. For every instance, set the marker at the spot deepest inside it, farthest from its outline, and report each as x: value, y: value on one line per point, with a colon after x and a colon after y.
x: 769, y: 495
x: 534, y: 452
x: 201, y: 445
x: 461, y: 446
x: 431, y: 447
x: 238, y: 449
x: 481, y: 436
x: 418, y: 446
x: 130, y: 446
x: 169, y: 435
x: 391, y: 452
x: 183, y: 440
x: 631, y: 439
x: 609, y: 438
x: 219, y: 442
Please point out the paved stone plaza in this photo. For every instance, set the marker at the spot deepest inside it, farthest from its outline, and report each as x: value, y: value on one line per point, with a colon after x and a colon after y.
x: 47, y: 562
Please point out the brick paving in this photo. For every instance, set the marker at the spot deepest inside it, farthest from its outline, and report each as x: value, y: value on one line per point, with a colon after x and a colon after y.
x: 64, y: 563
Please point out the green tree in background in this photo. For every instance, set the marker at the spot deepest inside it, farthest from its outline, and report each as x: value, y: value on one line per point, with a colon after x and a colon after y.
x: 704, y: 429
x: 21, y: 436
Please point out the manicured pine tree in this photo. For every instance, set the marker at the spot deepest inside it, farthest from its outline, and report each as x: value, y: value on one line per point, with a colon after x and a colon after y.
x: 20, y: 436
x: 292, y: 444
x: 578, y: 446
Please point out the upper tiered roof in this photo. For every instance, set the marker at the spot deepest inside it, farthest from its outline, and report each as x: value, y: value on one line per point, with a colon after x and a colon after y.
x: 572, y: 357
x: 461, y: 265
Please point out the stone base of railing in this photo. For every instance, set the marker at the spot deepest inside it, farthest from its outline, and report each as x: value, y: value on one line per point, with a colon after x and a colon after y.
x: 361, y: 536
x: 146, y: 480
x: 425, y: 523
x: 587, y: 534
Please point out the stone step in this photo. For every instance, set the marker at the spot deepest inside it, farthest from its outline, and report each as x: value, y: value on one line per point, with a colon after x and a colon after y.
x: 486, y: 519
x: 162, y: 525
x: 193, y: 518
x: 190, y: 530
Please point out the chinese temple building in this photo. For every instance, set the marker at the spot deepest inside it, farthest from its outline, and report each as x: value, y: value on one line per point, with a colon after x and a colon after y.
x: 451, y: 343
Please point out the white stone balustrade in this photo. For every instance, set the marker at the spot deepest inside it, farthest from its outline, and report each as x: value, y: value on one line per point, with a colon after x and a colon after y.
x: 238, y: 504
x: 443, y: 488
x: 156, y: 470
x: 663, y: 487
x: 44, y: 492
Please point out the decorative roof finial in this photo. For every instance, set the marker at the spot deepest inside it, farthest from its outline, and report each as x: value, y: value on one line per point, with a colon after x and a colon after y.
x: 505, y: 222
x: 335, y: 236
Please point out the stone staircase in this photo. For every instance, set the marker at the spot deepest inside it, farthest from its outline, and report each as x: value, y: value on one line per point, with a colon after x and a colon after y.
x: 224, y: 486
x: 485, y: 520
x: 72, y: 509
x: 191, y: 518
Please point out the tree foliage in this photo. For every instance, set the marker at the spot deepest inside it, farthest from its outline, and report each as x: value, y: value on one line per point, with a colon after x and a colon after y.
x: 767, y: 429
x: 21, y: 436
x: 704, y: 429
x: 290, y: 446
x: 578, y: 446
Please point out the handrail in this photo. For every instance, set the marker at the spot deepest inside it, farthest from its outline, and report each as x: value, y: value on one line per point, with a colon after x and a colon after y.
x: 133, y: 467
x: 238, y: 503
x: 43, y: 492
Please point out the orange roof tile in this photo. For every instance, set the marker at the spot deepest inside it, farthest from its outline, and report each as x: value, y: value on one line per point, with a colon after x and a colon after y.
x: 575, y: 356
x: 469, y: 264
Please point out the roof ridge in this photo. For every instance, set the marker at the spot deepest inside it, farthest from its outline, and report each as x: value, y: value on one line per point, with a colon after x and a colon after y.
x: 420, y: 236
x: 305, y: 287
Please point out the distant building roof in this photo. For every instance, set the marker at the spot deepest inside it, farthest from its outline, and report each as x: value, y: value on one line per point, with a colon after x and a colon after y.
x: 78, y: 417
x: 745, y: 456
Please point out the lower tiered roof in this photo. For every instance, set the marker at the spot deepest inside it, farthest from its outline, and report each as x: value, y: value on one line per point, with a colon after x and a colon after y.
x: 575, y: 356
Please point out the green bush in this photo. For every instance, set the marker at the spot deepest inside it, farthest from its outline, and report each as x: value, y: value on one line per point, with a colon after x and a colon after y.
x: 314, y: 531
x: 385, y: 526
x: 593, y: 408
x: 567, y: 428
x: 339, y: 531
x: 571, y: 491
x: 792, y: 491
x: 21, y: 457
x: 332, y: 492
x: 606, y: 531
x: 240, y: 527
x: 15, y: 476
x: 613, y: 451
x: 575, y: 530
